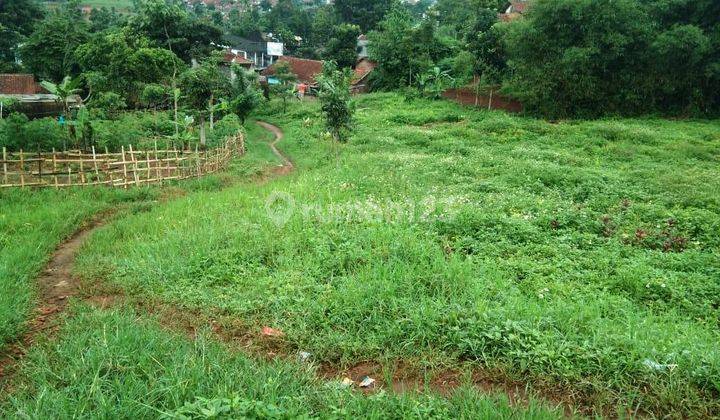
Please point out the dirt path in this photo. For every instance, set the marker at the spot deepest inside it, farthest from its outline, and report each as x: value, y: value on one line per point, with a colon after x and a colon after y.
x: 55, y: 286
x: 287, y: 165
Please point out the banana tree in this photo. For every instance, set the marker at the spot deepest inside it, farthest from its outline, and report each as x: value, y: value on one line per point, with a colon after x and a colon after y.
x: 63, y: 91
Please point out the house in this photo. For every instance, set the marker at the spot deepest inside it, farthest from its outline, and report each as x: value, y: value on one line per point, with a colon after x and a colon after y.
x: 19, y: 84
x: 363, y: 68
x: 514, y: 10
x: 32, y: 99
x: 232, y: 56
x: 308, y: 70
x: 263, y: 51
x: 305, y: 70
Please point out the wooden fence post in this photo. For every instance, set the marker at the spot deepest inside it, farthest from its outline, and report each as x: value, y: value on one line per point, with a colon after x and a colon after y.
x: 82, y: 170
x: 135, y: 167
x: 97, y: 172
x: 55, y: 170
x: 5, y: 171
x: 22, y: 169
x: 124, y: 165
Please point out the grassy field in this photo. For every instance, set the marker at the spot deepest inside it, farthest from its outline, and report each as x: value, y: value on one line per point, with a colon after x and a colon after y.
x: 120, y: 5
x: 581, y: 258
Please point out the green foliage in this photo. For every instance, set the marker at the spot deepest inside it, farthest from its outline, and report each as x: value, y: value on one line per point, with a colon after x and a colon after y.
x: 404, y: 50
x: 433, y: 83
x: 462, y: 15
x: 170, y: 26
x: 17, y: 18
x: 49, y: 50
x: 245, y: 92
x: 127, y: 62
x: 154, y: 95
x: 18, y: 132
x: 543, y: 257
x: 108, y: 105
x: 335, y: 100
x: 342, y: 46
x: 575, y: 58
x: 285, y: 89
x: 364, y: 13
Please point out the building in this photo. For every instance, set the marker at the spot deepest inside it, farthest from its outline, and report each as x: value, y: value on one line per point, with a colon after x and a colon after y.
x: 305, y: 70
x: 32, y: 99
x: 514, y: 10
x: 360, y: 82
x: 308, y: 70
x: 262, y: 52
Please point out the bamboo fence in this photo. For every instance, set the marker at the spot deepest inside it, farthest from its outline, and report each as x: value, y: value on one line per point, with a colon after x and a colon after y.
x: 123, y: 169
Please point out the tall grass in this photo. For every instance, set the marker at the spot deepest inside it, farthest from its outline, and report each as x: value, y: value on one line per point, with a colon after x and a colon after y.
x: 580, y: 253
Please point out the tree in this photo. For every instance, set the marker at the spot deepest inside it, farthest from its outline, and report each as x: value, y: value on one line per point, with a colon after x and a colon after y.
x: 680, y: 60
x: 245, y: 93
x: 49, y: 51
x: 126, y: 61
x: 364, y: 13
x: 6, y: 104
x: 342, y: 47
x: 64, y: 91
x: 335, y: 100
x: 170, y: 25
x: 404, y: 50
x: 154, y: 95
x: 285, y: 87
x: 199, y: 86
x: 490, y: 66
x: 433, y: 83
x: 461, y: 15
x: 581, y: 58
x: 103, y: 18
x: 17, y: 19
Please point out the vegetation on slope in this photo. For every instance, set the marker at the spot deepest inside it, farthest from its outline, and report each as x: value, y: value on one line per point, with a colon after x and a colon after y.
x: 580, y: 254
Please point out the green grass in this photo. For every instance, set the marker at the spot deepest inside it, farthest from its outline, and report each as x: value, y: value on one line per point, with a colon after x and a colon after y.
x: 114, y: 365
x: 120, y: 5
x: 575, y: 254
x: 581, y: 256
x: 33, y: 222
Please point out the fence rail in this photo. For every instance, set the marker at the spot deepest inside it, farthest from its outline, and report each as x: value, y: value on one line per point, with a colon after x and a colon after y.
x: 123, y: 169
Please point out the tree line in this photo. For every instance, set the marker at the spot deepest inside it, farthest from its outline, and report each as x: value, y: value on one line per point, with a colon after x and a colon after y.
x: 562, y: 58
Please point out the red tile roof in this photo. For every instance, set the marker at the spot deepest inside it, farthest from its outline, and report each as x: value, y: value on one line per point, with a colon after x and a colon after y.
x: 230, y: 57
x: 363, y: 68
x: 305, y: 70
x: 519, y: 6
x: 19, y: 84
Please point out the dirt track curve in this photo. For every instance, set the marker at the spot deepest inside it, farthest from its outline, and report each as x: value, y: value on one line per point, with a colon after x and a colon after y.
x: 56, y: 283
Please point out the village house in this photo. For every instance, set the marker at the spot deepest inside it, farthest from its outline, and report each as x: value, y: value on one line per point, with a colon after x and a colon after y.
x: 30, y: 97
x: 307, y: 71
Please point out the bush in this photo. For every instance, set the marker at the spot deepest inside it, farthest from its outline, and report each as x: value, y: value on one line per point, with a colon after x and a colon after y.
x: 18, y: 132
x: 226, y: 127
